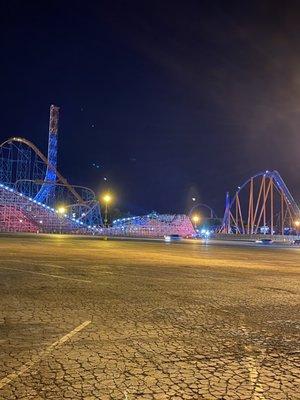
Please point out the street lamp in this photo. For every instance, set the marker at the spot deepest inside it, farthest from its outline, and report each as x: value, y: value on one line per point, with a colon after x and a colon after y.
x: 196, y: 219
x: 107, y: 198
x: 61, y: 210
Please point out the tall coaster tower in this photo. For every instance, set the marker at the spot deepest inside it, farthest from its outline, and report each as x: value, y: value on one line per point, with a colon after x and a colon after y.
x: 47, y: 188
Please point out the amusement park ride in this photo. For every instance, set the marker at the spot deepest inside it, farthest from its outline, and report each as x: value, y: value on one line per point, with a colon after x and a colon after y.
x: 31, y: 190
x: 263, y: 204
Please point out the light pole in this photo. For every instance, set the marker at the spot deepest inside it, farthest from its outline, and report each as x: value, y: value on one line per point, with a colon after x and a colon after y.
x: 61, y: 210
x: 107, y: 198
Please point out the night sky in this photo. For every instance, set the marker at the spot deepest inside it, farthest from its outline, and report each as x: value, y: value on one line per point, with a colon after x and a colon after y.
x: 172, y: 99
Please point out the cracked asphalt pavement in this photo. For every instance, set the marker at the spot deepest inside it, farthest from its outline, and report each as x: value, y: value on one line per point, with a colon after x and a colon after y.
x: 84, y: 318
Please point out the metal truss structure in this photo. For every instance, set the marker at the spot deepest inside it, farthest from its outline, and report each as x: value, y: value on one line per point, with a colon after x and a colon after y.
x: 26, y: 171
x: 50, y: 177
x: 262, y: 205
x: 19, y: 213
x: 153, y: 225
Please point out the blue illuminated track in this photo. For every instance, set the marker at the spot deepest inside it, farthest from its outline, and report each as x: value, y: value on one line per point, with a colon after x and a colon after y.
x: 47, y: 188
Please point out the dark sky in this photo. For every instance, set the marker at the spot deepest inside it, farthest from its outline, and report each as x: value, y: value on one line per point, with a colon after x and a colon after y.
x: 171, y: 98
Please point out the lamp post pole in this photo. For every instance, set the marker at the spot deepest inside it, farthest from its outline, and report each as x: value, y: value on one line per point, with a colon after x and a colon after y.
x: 61, y: 211
x: 107, y: 198
x: 106, y: 214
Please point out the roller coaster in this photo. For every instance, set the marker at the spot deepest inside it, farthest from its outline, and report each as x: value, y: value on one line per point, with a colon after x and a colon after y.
x: 32, y: 191
x: 262, y: 205
x: 31, y: 188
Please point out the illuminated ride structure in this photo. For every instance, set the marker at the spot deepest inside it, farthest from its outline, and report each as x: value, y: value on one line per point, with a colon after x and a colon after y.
x: 31, y: 188
x: 153, y: 225
x: 262, y: 205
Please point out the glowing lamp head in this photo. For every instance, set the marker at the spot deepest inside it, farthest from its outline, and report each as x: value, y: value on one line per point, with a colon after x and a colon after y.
x: 297, y: 223
x: 107, y: 198
x: 196, y: 219
x: 61, y: 210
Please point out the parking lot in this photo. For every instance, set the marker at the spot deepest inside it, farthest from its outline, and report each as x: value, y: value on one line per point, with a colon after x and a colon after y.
x: 85, y: 318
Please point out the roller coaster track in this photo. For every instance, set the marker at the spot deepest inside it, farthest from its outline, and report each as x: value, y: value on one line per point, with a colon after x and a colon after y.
x: 260, y: 206
x: 45, y: 160
x: 281, y: 184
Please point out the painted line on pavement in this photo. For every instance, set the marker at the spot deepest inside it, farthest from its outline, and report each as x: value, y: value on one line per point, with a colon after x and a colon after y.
x: 33, y: 262
x: 41, y: 273
x: 253, y: 368
x: 11, y: 377
x: 253, y: 365
x: 49, y: 265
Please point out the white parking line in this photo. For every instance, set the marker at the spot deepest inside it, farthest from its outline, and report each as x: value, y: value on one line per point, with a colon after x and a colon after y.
x: 253, y: 369
x: 33, y: 262
x: 50, y: 265
x: 253, y: 365
x: 5, y: 381
x: 41, y: 273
